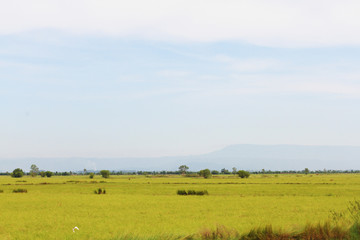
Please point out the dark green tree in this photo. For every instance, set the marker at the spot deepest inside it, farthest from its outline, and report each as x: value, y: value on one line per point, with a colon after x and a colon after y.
x: 17, y: 173
x: 205, y: 173
x: 105, y: 173
x: 48, y: 173
x: 243, y: 174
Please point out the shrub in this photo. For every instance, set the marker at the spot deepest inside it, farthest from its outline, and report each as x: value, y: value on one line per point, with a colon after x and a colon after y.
x: 1, y: 191
x: 204, y: 192
x: 192, y: 192
x: 100, y: 191
x: 243, y: 174
x: 181, y: 192
x: 105, y: 173
x: 20, y: 190
x: 205, y: 173
x: 42, y: 174
x: 48, y: 173
x: 91, y: 175
x: 17, y: 173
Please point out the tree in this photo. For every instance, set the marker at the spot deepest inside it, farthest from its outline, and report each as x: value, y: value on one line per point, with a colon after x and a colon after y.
x: 43, y: 174
x: 225, y: 171
x: 234, y: 170
x: 91, y: 175
x: 17, y: 173
x: 34, y: 170
x: 105, y: 173
x: 205, y: 173
x: 215, y: 172
x: 306, y: 171
x: 48, y: 173
x: 183, y: 169
x: 85, y: 172
x: 243, y: 174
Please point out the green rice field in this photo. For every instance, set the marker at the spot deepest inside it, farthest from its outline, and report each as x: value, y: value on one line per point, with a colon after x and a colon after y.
x: 148, y: 207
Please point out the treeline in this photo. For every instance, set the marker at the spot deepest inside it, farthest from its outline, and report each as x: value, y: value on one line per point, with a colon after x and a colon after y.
x: 182, y: 170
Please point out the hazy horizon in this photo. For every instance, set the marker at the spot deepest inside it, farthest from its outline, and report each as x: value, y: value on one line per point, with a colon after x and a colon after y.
x: 242, y: 156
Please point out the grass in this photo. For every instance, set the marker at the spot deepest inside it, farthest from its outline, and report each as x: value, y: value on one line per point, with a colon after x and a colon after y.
x: 139, y: 207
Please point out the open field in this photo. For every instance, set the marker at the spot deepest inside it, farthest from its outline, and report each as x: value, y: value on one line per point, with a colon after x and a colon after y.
x: 148, y: 206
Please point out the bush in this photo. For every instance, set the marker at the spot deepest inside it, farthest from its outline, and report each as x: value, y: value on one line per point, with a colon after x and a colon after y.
x: 42, y: 174
x: 243, y: 174
x: 192, y: 192
x: 1, y: 191
x: 20, y: 190
x: 181, y: 192
x: 204, y: 192
x: 205, y: 173
x: 91, y: 175
x: 100, y: 191
x: 17, y: 173
x: 48, y: 173
x: 105, y: 173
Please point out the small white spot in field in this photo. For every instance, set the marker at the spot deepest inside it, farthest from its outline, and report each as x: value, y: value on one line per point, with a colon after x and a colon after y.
x: 75, y: 228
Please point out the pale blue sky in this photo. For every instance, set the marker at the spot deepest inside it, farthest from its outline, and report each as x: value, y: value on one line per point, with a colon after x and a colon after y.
x: 70, y: 90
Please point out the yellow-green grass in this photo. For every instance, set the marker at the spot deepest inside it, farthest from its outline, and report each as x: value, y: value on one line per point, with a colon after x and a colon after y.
x: 146, y: 207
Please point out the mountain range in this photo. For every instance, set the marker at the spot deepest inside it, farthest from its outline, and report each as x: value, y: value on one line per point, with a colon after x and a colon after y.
x: 242, y: 156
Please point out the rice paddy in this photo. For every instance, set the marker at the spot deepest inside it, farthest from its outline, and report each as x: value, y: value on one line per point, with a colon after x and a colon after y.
x: 148, y: 207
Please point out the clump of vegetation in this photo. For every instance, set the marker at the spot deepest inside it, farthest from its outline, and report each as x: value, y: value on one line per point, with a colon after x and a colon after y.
x: 105, y: 173
x: 221, y: 232
x: 100, y: 191
x: 183, y: 169
x: 1, y: 191
x: 310, y: 232
x: 46, y: 174
x: 20, y: 190
x: 192, y: 192
x: 91, y: 175
x: 205, y: 173
x: 243, y: 174
x: 17, y: 173
x: 34, y: 170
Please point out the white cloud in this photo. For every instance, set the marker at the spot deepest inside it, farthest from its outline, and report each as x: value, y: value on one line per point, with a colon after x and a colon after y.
x: 278, y: 23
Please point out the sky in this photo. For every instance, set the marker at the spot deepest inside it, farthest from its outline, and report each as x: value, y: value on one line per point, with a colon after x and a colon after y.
x: 92, y: 78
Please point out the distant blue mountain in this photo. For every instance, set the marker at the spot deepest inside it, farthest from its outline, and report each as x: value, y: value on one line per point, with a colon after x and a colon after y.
x: 242, y: 156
